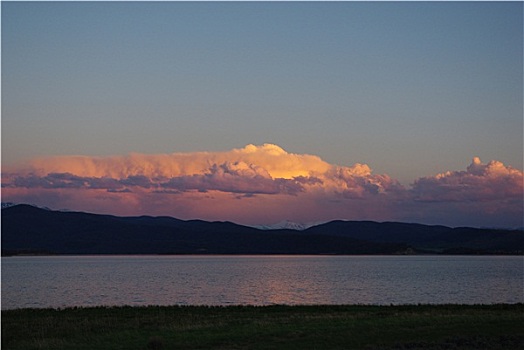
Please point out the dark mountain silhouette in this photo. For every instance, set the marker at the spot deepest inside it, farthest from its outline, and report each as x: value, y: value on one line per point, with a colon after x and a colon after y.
x: 438, y: 239
x: 31, y: 230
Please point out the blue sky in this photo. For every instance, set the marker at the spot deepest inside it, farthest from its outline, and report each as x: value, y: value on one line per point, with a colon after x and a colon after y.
x: 409, y: 88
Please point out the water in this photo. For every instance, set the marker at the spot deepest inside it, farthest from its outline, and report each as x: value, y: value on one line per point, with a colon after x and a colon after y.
x: 64, y: 281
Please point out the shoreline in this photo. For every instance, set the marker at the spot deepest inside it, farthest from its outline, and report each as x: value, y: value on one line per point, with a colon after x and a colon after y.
x: 248, y: 306
x: 9, y: 255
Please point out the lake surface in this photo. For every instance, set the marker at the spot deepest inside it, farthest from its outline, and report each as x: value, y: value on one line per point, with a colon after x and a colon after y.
x: 63, y: 281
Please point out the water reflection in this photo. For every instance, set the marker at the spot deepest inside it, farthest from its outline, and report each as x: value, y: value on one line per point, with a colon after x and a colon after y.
x: 258, y: 280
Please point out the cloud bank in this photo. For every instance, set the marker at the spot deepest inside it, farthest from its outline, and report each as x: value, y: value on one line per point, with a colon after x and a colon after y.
x: 265, y: 184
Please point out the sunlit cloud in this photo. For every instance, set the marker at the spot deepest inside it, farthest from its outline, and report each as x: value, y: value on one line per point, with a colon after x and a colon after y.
x: 266, y: 169
x: 479, y: 182
x: 264, y: 184
x: 266, y: 158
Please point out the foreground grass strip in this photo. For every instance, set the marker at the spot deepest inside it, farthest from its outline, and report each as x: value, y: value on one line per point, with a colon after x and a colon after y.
x: 267, y: 327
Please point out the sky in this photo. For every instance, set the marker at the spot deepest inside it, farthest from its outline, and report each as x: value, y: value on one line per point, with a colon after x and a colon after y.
x: 259, y: 112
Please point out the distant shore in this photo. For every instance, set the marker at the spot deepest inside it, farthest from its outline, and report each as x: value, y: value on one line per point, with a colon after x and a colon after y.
x: 9, y: 255
x: 27, y: 229
x: 498, y: 326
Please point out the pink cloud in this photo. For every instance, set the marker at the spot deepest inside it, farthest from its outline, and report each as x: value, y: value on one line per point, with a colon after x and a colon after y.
x: 266, y: 169
x: 264, y: 184
x: 237, y: 177
x: 480, y: 182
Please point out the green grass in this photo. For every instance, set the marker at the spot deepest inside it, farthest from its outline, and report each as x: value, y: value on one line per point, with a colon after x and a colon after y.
x: 267, y: 327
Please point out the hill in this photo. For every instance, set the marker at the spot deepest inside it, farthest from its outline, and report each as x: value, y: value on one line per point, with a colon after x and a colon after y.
x: 437, y: 239
x: 30, y: 230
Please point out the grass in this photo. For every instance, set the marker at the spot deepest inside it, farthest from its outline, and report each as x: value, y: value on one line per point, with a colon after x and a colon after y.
x: 267, y: 327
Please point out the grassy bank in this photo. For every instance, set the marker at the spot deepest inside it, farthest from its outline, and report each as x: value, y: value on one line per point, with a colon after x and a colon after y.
x: 268, y: 327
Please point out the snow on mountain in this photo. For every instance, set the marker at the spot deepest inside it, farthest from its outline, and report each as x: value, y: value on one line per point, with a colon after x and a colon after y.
x: 283, y: 225
x: 11, y: 204
x: 286, y: 224
x: 7, y: 204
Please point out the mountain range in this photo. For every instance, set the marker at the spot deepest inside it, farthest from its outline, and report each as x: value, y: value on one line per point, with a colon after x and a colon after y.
x: 285, y: 225
x: 28, y: 229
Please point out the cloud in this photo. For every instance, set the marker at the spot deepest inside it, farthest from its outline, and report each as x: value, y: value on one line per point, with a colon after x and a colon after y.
x: 265, y: 184
x: 482, y: 195
x: 237, y: 177
x: 265, y: 169
x: 480, y: 182
x: 357, y: 181
x: 59, y: 180
x: 273, y: 159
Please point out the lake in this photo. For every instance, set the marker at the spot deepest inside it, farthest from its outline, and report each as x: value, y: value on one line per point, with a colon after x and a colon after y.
x: 64, y: 281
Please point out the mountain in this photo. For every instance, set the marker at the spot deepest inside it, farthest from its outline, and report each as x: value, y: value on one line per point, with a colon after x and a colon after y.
x: 11, y: 204
x: 7, y: 204
x: 284, y: 225
x: 31, y: 230
x: 27, y: 229
x: 437, y: 239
